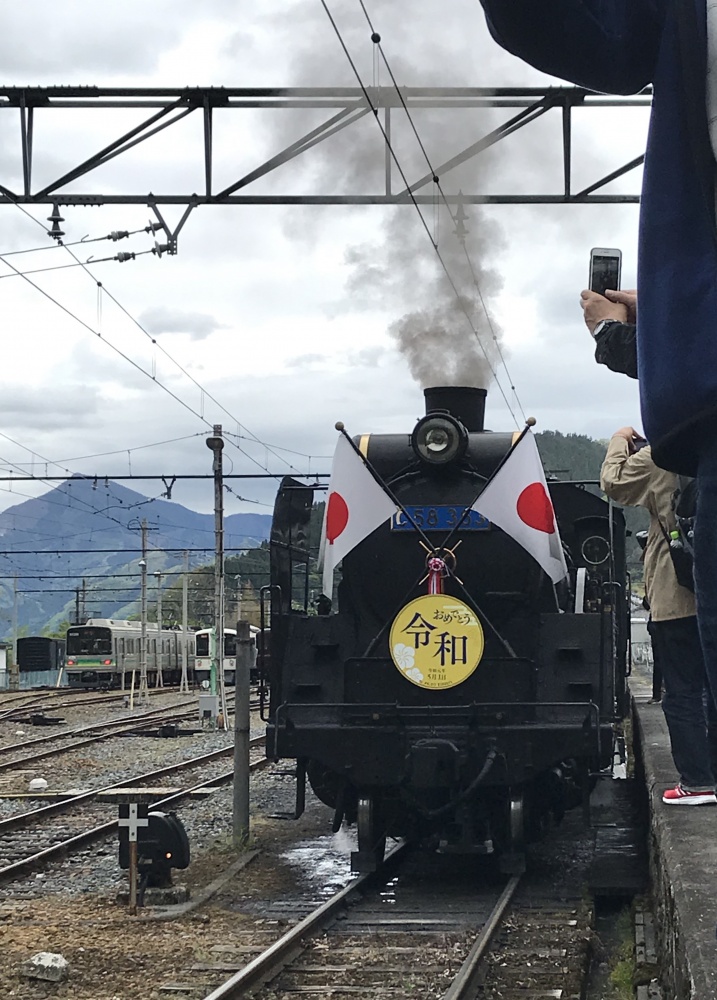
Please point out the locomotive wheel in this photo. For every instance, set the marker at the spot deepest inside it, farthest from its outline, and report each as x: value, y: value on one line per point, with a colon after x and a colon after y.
x: 371, y: 836
x: 516, y: 821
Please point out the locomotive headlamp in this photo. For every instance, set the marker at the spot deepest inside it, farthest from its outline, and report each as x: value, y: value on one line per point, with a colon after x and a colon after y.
x: 439, y: 439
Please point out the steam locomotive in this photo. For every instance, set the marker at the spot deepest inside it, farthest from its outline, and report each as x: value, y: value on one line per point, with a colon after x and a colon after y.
x: 488, y: 759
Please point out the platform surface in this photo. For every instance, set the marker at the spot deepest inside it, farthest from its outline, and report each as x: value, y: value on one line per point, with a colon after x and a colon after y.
x: 683, y: 862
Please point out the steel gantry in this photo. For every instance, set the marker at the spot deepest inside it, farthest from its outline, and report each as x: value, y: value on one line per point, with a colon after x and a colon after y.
x: 161, y: 108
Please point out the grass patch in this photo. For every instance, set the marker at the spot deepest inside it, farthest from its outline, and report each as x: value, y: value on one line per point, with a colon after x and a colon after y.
x: 623, y: 966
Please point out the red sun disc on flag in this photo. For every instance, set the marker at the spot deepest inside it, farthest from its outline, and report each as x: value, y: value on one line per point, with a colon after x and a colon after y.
x: 535, y: 509
x: 337, y: 517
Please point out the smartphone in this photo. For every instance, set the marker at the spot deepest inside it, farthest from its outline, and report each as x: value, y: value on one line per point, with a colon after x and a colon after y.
x: 605, y: 269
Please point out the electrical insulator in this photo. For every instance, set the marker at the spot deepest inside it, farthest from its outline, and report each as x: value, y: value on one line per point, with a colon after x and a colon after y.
x: 55, y: 232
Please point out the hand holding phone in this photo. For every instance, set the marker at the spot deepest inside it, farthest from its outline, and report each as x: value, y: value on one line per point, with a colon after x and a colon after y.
x: 605, y: 269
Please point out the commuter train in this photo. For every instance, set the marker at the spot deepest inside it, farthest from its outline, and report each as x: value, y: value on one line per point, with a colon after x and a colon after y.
x: 105, y: 652
x: 470, y: 719
x: 202, y: 662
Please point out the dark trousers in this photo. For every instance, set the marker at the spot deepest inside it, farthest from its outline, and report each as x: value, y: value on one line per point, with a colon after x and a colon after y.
x: 687, y: 703
x: 706, y: 556
x: 656, y: 665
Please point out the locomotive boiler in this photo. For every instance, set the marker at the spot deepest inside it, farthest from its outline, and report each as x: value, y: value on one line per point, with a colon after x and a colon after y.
x: 515, y: 714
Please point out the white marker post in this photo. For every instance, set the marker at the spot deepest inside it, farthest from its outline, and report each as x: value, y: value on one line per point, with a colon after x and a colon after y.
x: 133, y: 815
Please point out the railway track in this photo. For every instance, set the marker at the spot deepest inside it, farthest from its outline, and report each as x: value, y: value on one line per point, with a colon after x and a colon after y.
x: 40, y: 702
x: 99, y: 730
x: 402, y: 932
x: 427, y: 925
x: 30, y: 839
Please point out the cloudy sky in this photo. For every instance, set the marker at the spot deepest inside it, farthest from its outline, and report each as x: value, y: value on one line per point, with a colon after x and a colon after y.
x: 290, y: 318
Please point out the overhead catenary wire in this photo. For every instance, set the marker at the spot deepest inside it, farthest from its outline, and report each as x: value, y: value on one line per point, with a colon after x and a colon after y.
x: 153, y: 340
x: 412, y: 198
x: 119, y: 234
x: 376, y: 39
x: 104, y: 339
x: 121, y: 257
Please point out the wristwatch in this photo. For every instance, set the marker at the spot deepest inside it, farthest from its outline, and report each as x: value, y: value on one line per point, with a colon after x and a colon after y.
x: 601, y: 326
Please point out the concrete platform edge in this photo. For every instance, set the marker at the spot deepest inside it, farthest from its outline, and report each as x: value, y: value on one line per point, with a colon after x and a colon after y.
x: 683, y: 868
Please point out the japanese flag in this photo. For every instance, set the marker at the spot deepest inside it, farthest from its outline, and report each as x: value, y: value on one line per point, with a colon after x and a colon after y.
x: 517, y: 500
x: 356, y: 505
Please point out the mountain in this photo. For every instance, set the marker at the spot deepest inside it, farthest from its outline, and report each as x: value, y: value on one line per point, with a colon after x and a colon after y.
x: 88, y: 529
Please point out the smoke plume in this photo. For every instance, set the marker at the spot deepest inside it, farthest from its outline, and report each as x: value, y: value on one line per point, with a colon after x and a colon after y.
x: 442, y: 305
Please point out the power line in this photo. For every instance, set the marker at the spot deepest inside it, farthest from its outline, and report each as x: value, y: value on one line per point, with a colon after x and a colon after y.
x: 114, y: 236
x: 121, y: 257
x: 434, y: 244
x: 137, y: 447
x: 376, y: 39
x: 141, y: 476
x: 104, y: 339
x: 101, y: 290
x: 62, y: 552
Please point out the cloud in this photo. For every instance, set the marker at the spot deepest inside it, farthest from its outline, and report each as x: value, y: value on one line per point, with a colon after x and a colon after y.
x: 306, y: 360
x: 306, y: 340
x: 39, y: 408
x: 160, y: 319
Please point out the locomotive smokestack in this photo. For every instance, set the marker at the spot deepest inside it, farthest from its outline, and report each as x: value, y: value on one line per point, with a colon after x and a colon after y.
x: 464, y: 402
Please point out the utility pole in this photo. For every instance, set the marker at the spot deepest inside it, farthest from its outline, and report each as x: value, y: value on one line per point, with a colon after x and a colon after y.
x: 84, y: 600
x: 15, y: 674
x: 143, y: 689
x: 238, y: 580
x: 77, y: 606
x: 184, y: 683
x: 158, y: 577
x: 216, y: 445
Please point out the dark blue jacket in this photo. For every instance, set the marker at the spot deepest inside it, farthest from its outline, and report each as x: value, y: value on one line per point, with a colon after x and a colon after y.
x: 620, y: 46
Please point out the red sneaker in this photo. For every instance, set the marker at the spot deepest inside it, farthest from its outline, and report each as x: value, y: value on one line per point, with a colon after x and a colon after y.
x: 679, y: 796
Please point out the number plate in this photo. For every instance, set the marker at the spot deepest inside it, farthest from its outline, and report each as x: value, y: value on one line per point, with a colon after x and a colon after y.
x: 438, y: 518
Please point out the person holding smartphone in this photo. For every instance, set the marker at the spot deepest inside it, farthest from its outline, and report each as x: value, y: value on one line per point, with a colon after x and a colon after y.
x: 630, y: 476
x: 615, y: 46
x: 611, y: 319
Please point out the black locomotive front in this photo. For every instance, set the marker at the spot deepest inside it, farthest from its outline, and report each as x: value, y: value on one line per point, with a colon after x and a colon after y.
x: 484, y: 763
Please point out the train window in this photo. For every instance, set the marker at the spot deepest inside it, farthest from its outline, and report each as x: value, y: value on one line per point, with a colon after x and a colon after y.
x: 230, y: 645
x: 89, y: 642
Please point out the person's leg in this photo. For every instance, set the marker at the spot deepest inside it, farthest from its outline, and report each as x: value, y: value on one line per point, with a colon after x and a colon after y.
x: 656, y: 665
x: 711, y: 714
x: 680, y: 652
x: 705, y: 545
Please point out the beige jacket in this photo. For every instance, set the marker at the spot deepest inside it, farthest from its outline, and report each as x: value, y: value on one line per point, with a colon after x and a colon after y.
x: 635, y: 481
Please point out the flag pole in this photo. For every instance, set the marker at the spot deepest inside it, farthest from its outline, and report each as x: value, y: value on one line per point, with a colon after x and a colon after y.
x: 386, y: 489
x: 530, y: 422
